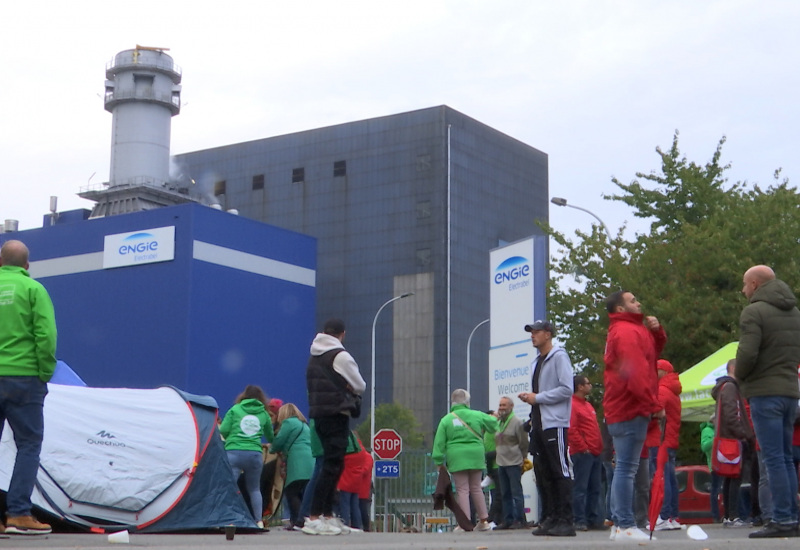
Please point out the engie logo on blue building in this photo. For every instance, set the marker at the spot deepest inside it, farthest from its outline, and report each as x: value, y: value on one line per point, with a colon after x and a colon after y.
x: 139, y: 247
x: 515, y: 271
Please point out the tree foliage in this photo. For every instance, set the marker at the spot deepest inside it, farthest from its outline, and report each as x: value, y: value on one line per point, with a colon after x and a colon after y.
x: 398, y: 417
x: 687, y: 269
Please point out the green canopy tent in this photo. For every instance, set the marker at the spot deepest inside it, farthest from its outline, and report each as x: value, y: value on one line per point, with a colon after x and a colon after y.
x: 697, y: 405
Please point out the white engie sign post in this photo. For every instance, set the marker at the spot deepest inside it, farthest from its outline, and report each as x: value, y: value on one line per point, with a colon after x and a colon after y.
x: 517, y: 278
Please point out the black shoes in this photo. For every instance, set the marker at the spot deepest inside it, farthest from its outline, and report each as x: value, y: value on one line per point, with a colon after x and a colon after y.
x: 555, y: 529
x: 774, y: 530
x: 543, y: 528
x: 562, y: 529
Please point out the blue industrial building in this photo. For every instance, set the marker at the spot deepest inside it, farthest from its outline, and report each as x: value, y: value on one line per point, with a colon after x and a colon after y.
x: 411, y: 202
x: 234, y: 305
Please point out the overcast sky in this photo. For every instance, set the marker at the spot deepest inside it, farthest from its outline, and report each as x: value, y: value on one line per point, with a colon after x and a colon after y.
x: 596, y: 85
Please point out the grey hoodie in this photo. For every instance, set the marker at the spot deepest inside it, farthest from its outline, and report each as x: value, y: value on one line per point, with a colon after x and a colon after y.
x: 555, y: 389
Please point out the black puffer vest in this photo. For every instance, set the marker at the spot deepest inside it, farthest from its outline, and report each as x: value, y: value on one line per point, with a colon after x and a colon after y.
x: 325, y: 398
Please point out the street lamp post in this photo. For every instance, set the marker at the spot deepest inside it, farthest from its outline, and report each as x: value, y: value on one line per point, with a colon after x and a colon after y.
x: 558, y: 201
x: 372, y: 391
x: 469, y: 341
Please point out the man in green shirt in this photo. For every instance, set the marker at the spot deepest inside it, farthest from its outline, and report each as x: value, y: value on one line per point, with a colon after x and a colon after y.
x: 27, y: 362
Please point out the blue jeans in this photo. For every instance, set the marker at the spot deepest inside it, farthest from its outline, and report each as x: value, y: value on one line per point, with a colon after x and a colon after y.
x: 311, y: 487
x: 349, y: 509
x: 669, y: 507
x: 608, y: 469
x: 629, y: 439
x: 510, y: 478
x: 773, y: 419
x: 250, y: 463
x: 716, y: 484
x: 764, y: 494
x: 22, y: 404
x: 586, y: 489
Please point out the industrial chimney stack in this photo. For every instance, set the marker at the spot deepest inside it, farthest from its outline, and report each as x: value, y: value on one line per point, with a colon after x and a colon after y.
x: 143, y: 93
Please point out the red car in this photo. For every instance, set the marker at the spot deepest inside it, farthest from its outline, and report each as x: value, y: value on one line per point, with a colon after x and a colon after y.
x: 694, y: 499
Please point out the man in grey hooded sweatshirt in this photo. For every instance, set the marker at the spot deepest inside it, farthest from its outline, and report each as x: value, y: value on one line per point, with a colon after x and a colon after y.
x: 551, y: 407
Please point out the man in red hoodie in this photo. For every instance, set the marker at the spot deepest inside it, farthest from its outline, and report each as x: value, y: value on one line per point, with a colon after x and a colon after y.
x: 631, y: 399
x: 669, y: 395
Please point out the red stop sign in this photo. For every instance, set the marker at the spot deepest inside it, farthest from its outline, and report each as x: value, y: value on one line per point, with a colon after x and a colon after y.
x: 387, y: 444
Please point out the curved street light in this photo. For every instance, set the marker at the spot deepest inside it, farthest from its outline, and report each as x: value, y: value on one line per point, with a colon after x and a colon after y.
x: 558, y: 201
x: 469, y: 341
x: 372, y: 391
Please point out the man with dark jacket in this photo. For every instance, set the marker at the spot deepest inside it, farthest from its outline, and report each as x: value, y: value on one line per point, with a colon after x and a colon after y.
x: 333, y: 380
x: 766, y: 368
x: 633, y: 345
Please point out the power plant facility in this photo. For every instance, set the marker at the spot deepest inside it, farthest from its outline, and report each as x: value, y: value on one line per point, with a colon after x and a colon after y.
x: 264, y: 240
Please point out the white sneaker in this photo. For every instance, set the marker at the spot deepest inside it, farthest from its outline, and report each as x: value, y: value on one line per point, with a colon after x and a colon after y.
x: 675, y: 524
x: 320, y: 527
x: 458, y: 529
x: 336, y: 522
x: 260, y: 524
x: 613, y: 534
x: 483, y: 526
x: 662, y: 525
x: 632, y: 534
x: 492, y: 525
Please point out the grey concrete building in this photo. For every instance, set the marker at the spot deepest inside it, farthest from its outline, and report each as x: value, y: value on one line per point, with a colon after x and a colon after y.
x: 411, y: 202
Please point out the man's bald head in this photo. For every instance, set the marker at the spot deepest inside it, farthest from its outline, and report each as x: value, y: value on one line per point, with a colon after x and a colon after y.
x: 755, y: 277
x: 14, y: 253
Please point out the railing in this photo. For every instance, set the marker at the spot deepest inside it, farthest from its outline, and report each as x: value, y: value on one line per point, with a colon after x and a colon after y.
x: 163, y: 65
x: 405, y: 502
x: 170, y: 97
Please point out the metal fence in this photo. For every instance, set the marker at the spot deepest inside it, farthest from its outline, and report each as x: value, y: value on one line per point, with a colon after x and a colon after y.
x: 405, y: 503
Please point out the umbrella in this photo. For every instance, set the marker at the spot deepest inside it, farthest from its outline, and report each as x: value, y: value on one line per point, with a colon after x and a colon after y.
x: 657, y: 485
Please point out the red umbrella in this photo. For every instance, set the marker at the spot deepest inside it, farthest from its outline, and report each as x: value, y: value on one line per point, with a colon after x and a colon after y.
x: 657, y: 485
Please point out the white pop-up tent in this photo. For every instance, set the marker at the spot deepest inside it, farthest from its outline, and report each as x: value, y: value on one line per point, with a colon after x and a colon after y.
x: 145, y: 460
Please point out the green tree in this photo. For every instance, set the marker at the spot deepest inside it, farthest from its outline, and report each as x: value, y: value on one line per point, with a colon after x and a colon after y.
x: 686, y: 270
x: 398, y: 417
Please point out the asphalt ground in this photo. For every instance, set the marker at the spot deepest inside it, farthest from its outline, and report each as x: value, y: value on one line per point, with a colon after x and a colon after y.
x: 719, y: 538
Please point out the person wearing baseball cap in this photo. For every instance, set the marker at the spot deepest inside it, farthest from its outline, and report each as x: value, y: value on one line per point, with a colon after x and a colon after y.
x: 551, y: 404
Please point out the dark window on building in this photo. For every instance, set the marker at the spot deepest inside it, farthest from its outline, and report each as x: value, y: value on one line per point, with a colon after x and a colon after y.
x: 258, y: 182
x: 219, y: 188
x: 424, y: 257
x: 423, y: 163
x: 298, y: 175
x: 339, y: 168
x: 423, y: 210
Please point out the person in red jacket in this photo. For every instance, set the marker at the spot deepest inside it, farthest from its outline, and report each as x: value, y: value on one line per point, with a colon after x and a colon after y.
x: 350, y: 484
x: 669, y: 391
x: 633, y: 345
x: 585, y: 446
x: 365, y: 489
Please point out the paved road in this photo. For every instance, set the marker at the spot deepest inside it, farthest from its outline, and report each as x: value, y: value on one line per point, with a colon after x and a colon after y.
x: 719, y: 538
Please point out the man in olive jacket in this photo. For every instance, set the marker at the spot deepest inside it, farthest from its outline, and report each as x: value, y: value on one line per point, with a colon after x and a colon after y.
x: 766, y: 368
